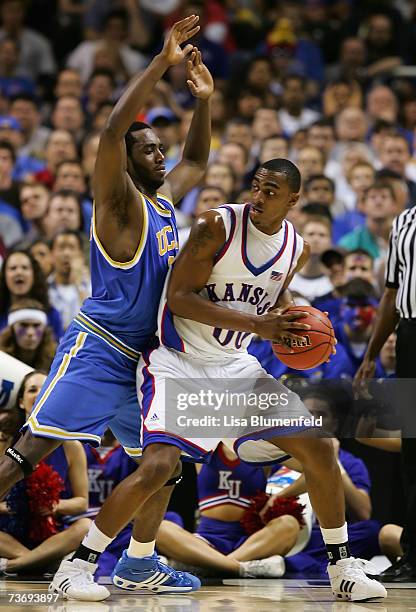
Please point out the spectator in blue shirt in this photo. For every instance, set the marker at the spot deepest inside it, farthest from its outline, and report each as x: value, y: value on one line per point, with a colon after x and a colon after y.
x: 11, y: 82
x: 357, y: 317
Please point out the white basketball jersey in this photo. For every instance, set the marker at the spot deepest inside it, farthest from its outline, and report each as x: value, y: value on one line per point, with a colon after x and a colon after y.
x: 248, y: 275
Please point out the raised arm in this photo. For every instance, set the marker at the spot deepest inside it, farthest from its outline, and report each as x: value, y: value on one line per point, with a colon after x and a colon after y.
x: 191, y: 272
x: 190, y: 170
x: 111, y: 181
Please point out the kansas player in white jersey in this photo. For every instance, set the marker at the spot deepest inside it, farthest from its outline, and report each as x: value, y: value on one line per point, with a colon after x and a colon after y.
x: 238, y: 264
x: 91, y: 384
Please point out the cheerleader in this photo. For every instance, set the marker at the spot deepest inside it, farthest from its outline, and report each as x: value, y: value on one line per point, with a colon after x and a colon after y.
x: 34, y: 530
x: 227, y: 489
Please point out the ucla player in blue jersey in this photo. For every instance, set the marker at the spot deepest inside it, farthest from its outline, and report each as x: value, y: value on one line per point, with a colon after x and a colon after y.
x: 91, y: 384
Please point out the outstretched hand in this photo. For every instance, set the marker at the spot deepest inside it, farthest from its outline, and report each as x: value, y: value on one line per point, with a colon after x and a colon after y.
x: 181, y: 32
x: 365, y: 372
x: 199, y: 79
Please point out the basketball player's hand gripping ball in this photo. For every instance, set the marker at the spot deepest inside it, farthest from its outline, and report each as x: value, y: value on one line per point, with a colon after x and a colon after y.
x: 311, y: 347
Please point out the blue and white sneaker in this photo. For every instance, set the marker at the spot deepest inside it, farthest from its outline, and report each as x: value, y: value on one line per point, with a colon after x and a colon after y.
x: 150, y: 575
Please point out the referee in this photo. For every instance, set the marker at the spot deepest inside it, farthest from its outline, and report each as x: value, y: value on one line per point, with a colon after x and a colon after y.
x: 398, y: 306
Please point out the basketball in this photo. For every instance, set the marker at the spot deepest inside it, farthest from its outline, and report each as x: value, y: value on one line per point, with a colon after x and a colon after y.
x: 317, y: 346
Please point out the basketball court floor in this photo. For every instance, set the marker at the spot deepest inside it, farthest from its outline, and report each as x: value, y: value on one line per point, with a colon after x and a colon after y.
x: 222, y: 596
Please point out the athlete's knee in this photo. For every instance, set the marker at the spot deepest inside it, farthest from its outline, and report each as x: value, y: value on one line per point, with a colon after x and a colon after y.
x: 286, y: 523
x: 77, y: 531
x: 167, y: 528
x: 158, y: 466
x: 317, y: 454
x: 285, y: 530
x: 389, y: 536
x: 81, y: 527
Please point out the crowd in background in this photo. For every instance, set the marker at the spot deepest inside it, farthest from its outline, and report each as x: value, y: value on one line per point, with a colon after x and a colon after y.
x: 327, y: 84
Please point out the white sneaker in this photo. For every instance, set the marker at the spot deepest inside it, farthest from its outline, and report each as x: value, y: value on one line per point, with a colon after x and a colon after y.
x: 75, y: 580
x: 271, y: 567
x: 349, y: 581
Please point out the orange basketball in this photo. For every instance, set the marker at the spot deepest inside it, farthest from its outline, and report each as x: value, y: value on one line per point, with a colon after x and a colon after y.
x: 318, y: 343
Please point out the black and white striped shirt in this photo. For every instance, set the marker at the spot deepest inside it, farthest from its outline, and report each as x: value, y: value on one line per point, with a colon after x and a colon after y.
x: 401, y: 263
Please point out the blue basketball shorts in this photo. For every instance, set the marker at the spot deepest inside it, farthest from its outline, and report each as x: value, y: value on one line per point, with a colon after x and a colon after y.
x: 91, y: 386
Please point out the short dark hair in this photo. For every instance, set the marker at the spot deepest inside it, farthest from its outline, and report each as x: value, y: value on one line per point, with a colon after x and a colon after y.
x: 398, y: 136
x: 325, y: 122
x: 322, y: 219
x: 249, y: 90
x: 69, y: 193
x: 385, y: 174
x: 286, y: 167
x: 319, y: 177
x: 260, y: 58
x: 66, y: 193
x: 44, y: 241
x: 380, y: 185
x: 135, y: 127
x: 26, y: 97
x: 316, y: 209
x: 68, y: 232
x: 116, y: 14
x: 215, y: 187
x: 63, y: 162
x: 358, y: 290
x: 380, y: 125
x: 239, y: 121
x: 273, y: 137
x: 106, y: 72
x: 5, y: 144
x: 68, y: 97
x: 239, y: 145
x: 294, y: 77
x: 362, y: 252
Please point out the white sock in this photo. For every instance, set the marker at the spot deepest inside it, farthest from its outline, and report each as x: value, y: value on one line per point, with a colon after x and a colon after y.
x: 141, y: 549
x: 338, y: 535
x: 96, y: 539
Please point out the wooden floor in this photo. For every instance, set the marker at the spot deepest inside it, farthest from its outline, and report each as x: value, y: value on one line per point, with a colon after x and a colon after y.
x: 228, y: 596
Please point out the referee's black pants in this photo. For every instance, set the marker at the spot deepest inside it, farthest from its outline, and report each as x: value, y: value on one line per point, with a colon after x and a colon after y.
x: 406, y: 368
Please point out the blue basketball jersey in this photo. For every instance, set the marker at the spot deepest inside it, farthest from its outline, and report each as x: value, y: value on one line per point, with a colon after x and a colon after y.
x: 125, y: 296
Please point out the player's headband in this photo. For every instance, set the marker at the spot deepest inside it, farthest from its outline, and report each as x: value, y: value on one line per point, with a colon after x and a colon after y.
x: 27, y: 314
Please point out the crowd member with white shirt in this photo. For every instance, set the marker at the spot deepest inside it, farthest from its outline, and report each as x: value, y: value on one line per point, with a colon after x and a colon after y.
x: 294, y: 115
x: 313, y: 281
x: 36, y: 57
x: 69, y: 284
x: 113, y: 39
